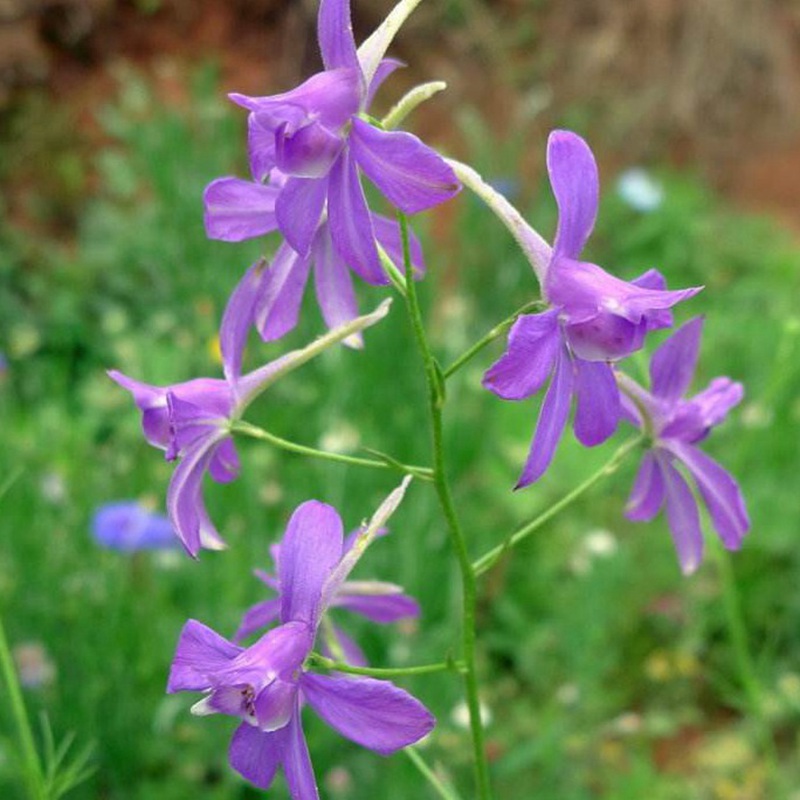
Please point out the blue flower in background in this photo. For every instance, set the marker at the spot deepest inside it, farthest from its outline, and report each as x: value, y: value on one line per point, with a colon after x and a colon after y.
x: 129, y: 526
x: 640, y: 190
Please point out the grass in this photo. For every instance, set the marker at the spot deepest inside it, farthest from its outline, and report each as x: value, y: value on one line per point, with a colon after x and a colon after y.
x: 606, y: 673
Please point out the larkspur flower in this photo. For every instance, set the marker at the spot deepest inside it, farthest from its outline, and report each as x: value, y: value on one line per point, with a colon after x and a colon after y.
x: 311, y: 144
x: 191, y: 421
x: 593, y: 319
x: 266, y: 684
x: 675, y: 425
x: 378, y: 601
x: 130, y: 526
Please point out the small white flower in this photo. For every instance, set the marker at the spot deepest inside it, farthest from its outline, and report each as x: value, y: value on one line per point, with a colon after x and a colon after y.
x: 460, y: 716
x: 640, y: 190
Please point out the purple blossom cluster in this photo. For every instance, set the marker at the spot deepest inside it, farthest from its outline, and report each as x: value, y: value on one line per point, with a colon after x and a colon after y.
x: 309, y: 149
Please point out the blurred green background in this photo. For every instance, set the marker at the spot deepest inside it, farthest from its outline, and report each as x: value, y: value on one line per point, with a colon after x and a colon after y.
x: 604, y: 672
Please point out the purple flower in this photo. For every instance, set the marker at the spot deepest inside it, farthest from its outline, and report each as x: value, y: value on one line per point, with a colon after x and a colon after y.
x: 311, y: 144
x: 266, y: 684
x: 129, y: 526
x: 675, y: 426
x: 378, y: 601
x: 191, y: 421
x: 593, y: 319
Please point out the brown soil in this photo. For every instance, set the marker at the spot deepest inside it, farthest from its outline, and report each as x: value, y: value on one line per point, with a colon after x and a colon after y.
x: 638, y: 68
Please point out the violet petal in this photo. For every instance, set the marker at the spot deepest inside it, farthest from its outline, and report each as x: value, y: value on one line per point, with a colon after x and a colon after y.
x: 380, y: 608
x: 647, y: 495
x: 335, y: 34
x: 200, y: 654
x: 235, y: 210
x: 411, y: 175
x: 185, y: 503
x: 311, y: 548
x: 675, y: 360
x: 281, y: 293
x: 350, y: 222
x: 533, y: 346
x: 720, y: 492
x: 297, y: 763
x: 334, y: 286
x: 683, y: 518
x: 257, y: 617
x: 575, y: 182
x: 552, y: 419
x: 597, y: 403
x: 275, y: 703
x: 298, y: 209
x: 256, y: 755
x: 373, y: 713
x: 236, y: 321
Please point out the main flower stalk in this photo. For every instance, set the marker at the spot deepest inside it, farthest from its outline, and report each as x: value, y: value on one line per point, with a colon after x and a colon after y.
x: 434, y: 380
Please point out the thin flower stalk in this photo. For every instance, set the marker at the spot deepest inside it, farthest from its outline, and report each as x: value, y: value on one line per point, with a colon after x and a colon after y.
x: 488, y: 560
x: 254, y: 432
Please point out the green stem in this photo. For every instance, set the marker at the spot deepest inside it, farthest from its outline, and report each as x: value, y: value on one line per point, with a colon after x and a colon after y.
x: 385, y: 672
x: 493, y: 334
x: 487, y: 561
x: 444, y: 791
x: 254, y: 432
x: 745, y: 666
x: 31, y: 766
x: 468, y: 582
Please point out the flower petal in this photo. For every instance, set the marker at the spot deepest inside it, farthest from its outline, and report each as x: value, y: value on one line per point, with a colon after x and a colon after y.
x: 373, y: 713
x: 335, y: 33
x: 275, y: 704
x: 276, y: 654
x: 653, y: 279
x: 310, y: 550
x: 647, y: 495
x: 237, y: 319
x: 199, y: 655
x: 224, y: 465
x: 675, y: 360
x: 411, y: 175
x: 683, y: 519
x: 308, y: 151
x: 719, y: 490
x: 298, y: 209
x: 334, y: 286
x: 533, y: 346
x: 152, y: 401
x: 597, y: 403
x: 277, y: 307
x: 552, y: 419
x: 260, y: 147
x: 575, y: 182
x: 185, y: 505
x: 331, y: 97
x: 584, y: 290
x: 257, y: 617
x: 350, y: 222
x: 235, y: 210
x: 256, y: 755
x: 297, y: 763
x: 380, y: 607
